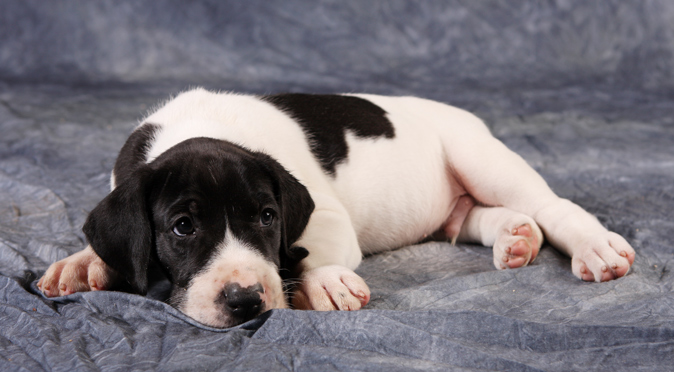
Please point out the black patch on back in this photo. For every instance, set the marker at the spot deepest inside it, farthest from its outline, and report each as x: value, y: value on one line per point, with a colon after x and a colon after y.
x: 134, y: 152
x: 325, y: 118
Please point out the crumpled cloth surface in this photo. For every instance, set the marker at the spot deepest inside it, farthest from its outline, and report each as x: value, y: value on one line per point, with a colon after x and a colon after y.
x: 584, y: 91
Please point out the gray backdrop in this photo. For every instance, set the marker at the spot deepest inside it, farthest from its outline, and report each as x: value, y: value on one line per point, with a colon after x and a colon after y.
x: 581, y: 89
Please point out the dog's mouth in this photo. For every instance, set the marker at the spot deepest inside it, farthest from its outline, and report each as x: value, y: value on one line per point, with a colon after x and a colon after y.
x: 234, y: 304
x: 236, y: 286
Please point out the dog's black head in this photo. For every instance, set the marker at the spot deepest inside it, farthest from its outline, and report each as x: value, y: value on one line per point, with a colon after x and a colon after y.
x: 220, y: 221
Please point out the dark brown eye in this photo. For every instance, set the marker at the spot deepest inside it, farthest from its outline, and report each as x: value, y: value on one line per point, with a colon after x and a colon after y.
x: 183, y: 227
x: 267, y: 217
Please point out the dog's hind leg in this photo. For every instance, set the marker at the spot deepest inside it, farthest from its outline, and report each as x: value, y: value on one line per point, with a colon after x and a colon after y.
x: 496, y: 176
x: 515, y: 237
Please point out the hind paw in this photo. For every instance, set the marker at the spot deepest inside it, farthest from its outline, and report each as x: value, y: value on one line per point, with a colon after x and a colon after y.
x: 602, y: 258
x: 518, y: 244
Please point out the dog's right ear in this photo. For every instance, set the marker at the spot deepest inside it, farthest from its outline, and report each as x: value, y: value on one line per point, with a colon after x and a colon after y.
x: 296, y: 208
x: 120, y: 232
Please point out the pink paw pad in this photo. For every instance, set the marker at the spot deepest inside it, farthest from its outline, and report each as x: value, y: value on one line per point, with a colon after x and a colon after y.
x: 524, y: 250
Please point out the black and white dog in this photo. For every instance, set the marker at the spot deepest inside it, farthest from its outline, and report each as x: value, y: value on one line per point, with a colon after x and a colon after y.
x: 229, y: 193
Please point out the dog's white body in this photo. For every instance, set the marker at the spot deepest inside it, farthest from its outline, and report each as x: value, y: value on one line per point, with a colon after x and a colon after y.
x: 443, y: 171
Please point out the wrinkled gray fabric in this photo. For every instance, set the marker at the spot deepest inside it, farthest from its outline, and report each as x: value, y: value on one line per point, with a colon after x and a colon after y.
x: 582, y: 90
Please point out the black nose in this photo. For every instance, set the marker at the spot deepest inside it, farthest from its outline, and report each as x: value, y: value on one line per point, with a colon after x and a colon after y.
x: 243, y: 303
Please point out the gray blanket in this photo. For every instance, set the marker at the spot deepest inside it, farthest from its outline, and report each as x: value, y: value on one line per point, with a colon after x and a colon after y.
x: 583, y: 90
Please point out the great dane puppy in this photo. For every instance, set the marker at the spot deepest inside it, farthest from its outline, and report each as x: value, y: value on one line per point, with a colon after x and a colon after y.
x: 230, y: 194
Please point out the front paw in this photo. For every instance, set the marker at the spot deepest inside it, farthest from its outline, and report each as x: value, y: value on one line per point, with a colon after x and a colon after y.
x: 602, y: 258
x: 83, y: 271
x: 331, y: 287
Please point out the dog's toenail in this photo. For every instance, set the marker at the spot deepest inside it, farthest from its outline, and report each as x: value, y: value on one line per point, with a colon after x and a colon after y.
x: 62, y: 287
x: 583, y: 271
x: 604, y: 268
x: 507, y: 250
x: 623, y: 253
x: 614, y: 266
x: 505, y: 259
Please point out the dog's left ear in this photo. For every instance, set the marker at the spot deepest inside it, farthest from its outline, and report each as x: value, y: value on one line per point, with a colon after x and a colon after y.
x: 296, y: 208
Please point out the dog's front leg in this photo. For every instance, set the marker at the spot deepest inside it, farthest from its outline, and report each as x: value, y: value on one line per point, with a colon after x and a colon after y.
x: 328, y: 281
x: 332, y: 287
x: 81, y: 272
x: 515, y: 237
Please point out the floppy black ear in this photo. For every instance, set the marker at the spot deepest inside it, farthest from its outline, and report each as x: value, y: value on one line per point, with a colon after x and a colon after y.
x: 296, y: 208
x: 120, y: 232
